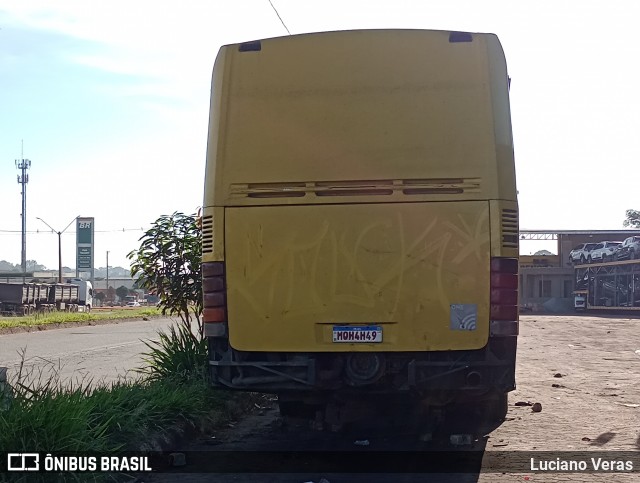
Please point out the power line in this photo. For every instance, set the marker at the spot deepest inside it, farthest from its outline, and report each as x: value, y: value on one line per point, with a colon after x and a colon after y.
x: 281, y: 21
x: 118, y: 230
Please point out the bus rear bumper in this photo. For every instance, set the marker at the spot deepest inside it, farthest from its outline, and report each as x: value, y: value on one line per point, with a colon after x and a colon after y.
x: 490, y: 368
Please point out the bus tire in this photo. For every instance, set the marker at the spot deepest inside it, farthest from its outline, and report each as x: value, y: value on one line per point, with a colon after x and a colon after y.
x: 500, y: 408
x: 494, y: 408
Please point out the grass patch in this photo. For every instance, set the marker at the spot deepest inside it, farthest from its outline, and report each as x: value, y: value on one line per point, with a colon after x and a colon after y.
x: 169, y: 398
x: 79, y: 317
x: 102, y: 419
x: 136, y: 416
x: 177, y: 352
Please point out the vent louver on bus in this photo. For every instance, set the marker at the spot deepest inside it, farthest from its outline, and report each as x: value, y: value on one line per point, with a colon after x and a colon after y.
x: 509, y: 226
x: 207, y: 234
x: 428, y: 186
x: 440, y: 186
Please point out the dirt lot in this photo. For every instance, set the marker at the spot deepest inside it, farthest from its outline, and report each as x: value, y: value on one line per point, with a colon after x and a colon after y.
x: 584, y: 370
x: 598, y: 397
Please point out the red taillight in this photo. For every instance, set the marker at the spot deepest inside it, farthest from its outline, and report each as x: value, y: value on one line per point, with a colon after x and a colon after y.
x: 504, y: 280
x: 214, y: 314
x: 504, y: 312
x: 212, y: 284
x: 501, y: 296
x: 213, y: 291
x: 504, y: 289
x: 215, y: 299
x: 504, y: 265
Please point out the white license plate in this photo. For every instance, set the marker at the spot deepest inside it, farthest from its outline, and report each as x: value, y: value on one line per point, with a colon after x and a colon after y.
x: 355, y: 335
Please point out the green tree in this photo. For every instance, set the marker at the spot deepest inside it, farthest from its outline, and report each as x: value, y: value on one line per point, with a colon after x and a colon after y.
x: 33, y: 266
x: 6, y: 266
x: 167, y: 264
x: 122, y: 292
x: 633, y: 219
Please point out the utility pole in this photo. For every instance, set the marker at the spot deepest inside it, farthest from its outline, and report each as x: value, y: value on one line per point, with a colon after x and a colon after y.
x: 59, y: 233
x: 107, y: 292
x: 23, y: 165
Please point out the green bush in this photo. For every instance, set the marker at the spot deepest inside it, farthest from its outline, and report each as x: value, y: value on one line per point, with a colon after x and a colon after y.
x: 177, y: 354
x: 100, y: 419
x: 168, y: 263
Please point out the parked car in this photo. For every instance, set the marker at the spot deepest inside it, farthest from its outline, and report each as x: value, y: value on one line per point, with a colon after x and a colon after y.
x: 580, y: 253
x: 603, y: 252
x: 630, y: 249
x: 133, y: 304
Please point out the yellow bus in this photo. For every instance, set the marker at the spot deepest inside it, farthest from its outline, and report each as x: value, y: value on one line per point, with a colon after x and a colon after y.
x: 360, y: 222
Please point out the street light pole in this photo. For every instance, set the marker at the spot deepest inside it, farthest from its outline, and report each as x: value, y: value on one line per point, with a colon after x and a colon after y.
x: 107, y: 291
x: 59, y: 257
x: 59, y: 243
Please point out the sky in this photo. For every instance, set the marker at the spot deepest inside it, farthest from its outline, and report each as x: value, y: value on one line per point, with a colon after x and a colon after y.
x: 109, y: 100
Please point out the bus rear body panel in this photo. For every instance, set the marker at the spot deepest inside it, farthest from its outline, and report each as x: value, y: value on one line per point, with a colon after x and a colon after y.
x: 417, y: 270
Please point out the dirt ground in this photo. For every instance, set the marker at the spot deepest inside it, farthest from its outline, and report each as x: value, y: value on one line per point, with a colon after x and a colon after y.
x: 583, y: 370
x: 597, y: 403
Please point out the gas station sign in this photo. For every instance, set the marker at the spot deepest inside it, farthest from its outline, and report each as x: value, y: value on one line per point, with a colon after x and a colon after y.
x: 84, y: 244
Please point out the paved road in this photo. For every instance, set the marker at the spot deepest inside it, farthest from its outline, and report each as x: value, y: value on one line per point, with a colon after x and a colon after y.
x: 102, y: 352
x: 593, y: 405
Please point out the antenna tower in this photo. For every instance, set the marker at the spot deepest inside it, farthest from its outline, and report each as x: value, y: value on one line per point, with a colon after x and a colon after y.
x: 23, y: 165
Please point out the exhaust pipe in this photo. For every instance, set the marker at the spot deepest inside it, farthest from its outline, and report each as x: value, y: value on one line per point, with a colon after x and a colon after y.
x: 474, y: 378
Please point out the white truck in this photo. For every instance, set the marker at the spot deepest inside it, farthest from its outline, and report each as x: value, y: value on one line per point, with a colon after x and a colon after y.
x: 85, y: 293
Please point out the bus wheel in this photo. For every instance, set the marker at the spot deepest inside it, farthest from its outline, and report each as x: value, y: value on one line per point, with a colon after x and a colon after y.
x: 497, y: 410
x: 478, y: 417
